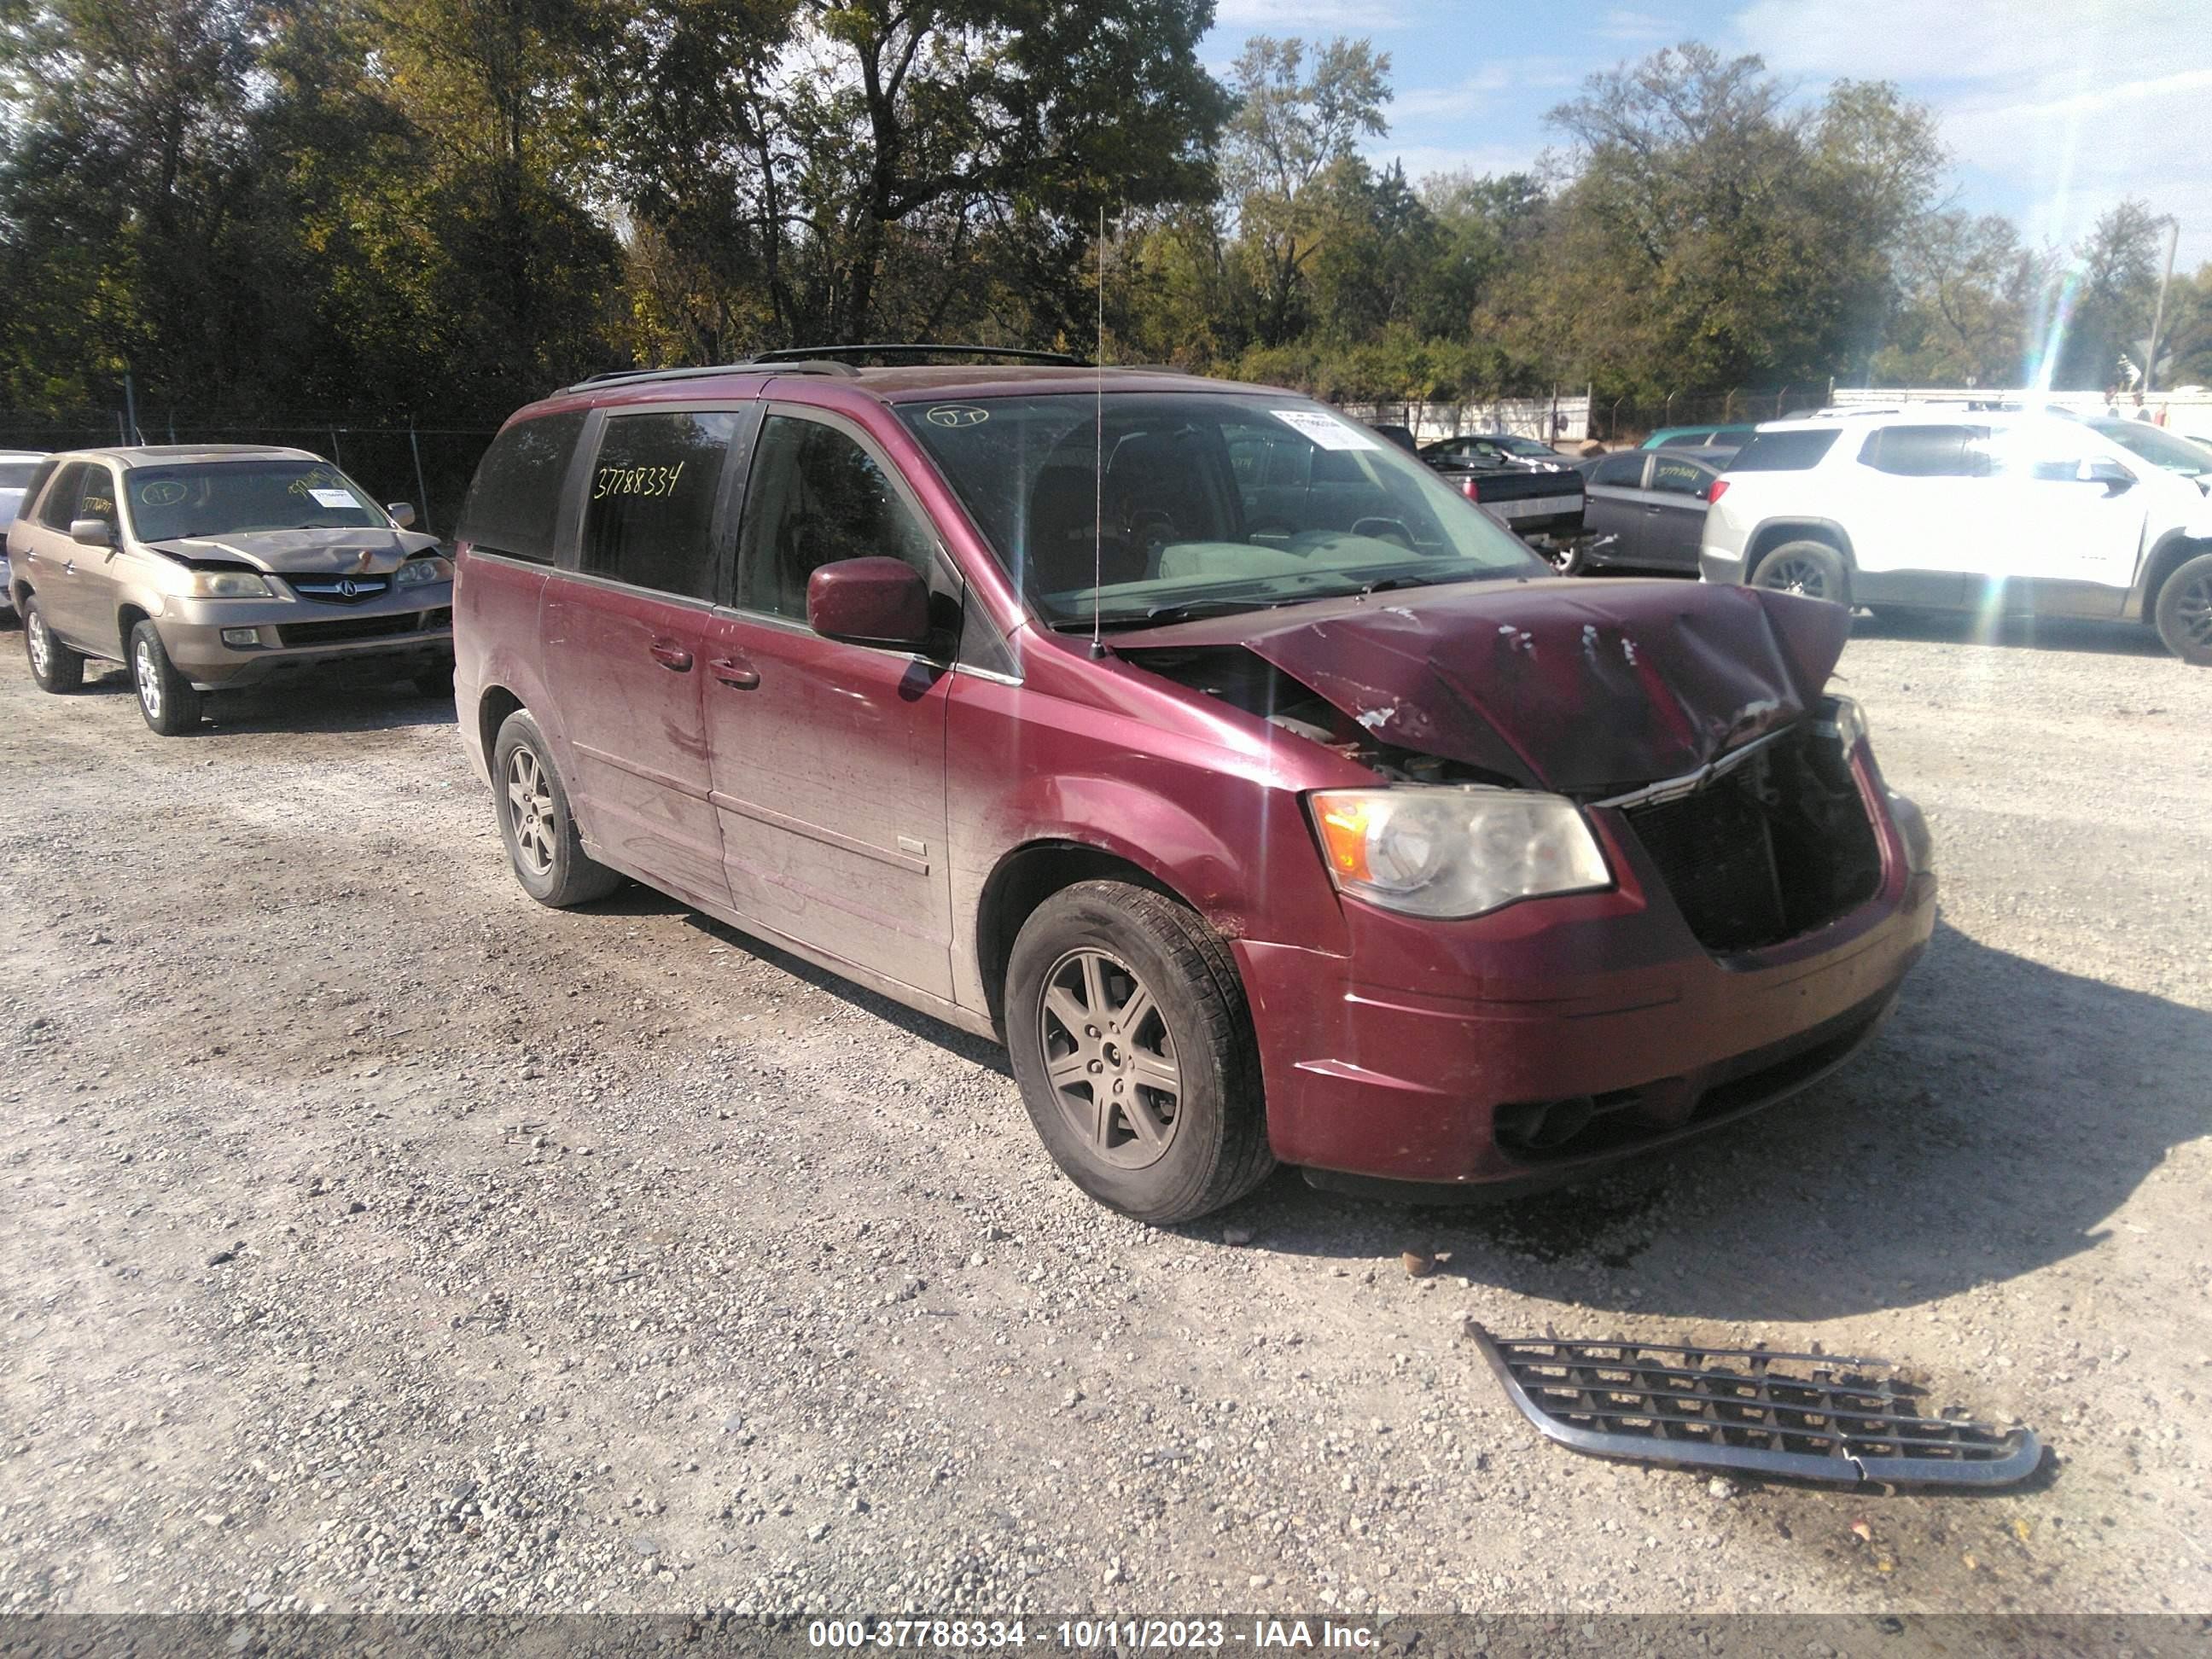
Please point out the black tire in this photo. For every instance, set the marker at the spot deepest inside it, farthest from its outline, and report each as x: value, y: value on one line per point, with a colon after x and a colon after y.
x: 546, y: 853
x: 1212, y: 1149
x: 53, y: 665
x: 2184, y: 612
x: 437, y: 682
x: 1814, y: 569
x: 169, y: 701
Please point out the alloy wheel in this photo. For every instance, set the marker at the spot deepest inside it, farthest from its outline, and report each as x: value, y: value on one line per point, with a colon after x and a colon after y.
x: 1110, y: 1059
x: 529, y: 804
x: 41, y: 645
x: 147, y: 673
x: 2194, y: 611
x: 1791, y: 575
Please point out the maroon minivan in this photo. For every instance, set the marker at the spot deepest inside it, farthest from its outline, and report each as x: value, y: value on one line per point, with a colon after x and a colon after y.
x: 1266, y: 799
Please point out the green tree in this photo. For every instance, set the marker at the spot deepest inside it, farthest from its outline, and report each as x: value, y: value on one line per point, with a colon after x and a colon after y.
x: 1288, y: 159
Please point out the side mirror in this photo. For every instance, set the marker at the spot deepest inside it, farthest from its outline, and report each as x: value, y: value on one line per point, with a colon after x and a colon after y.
x: 2115, y: 477
x: 874, y: 601
x: 403, y: 512
x: 92, y: 533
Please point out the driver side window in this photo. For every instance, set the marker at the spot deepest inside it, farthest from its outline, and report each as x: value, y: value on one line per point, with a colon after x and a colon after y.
x: 815, y: 497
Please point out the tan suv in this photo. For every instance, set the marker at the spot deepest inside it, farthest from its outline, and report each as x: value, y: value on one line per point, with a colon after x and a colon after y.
x: 222, y: 565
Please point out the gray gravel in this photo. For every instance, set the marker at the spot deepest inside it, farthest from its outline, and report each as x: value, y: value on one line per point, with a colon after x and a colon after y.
x: 377, y: 1239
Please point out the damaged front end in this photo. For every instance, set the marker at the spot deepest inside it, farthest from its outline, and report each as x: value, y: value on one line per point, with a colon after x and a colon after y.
x: 1695, y: 715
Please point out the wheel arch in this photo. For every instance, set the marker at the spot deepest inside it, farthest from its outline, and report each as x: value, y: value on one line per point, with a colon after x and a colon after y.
x: 494, y: 705
x: 1773, y: 532
x: 128, y: 616
x: 1023, y: 878
x: 2172, y: 551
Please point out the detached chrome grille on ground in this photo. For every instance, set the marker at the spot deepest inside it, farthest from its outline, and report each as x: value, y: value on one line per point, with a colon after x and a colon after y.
x: 1816, y: 1418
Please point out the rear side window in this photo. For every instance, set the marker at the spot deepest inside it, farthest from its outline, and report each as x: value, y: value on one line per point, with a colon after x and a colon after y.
x: 515, y: 501
x: 60, y: 507
x: 649, y: 517
x: 1784, y: 452
x: 1686, y: 441
x: 1678, y: 476
x: 816, y: 497
x: 1622, y: 471
x: 1927, y: 452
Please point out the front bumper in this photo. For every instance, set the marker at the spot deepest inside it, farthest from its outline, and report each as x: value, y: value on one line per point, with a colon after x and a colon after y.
x: 1379, y: 1064
x: 407, y: 630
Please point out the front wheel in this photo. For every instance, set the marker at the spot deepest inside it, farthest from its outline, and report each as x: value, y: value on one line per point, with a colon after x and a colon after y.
x: 165, y: 698
x: 1568, y: 558
x: 534, y: 821
x: 2184, y: 612
x: 1134, y: 1048
x: 1814, y: 569
x: 53, y: 665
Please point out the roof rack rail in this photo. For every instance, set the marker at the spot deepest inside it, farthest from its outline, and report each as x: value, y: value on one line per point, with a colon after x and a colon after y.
x: 639, y: 376
x: 909, y: 352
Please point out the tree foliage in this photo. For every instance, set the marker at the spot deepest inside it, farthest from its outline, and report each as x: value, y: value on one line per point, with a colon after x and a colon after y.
x: 440, y: 208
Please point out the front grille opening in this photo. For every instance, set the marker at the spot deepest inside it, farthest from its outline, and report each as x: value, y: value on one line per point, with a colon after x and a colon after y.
x: 1773, y: 849
x: 1584, y: 1125
x: 363, y: 628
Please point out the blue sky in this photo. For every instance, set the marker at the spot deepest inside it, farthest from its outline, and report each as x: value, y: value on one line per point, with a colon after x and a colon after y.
x: 2052, y: 111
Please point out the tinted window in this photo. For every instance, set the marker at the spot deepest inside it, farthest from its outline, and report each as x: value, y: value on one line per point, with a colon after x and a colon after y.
x: 1687, y: 441
x: 515, y: 501
x: 2162, y: 448
x: 816, y: 497
x: 649, y: 516
x: 1927, y: 452
x: 61, y: 502
x: 1680, y: 477
x: 1784, y: 452
x: 1623, y: 471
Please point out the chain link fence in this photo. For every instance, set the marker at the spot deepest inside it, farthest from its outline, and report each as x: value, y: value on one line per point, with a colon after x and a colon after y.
x: 429, y: 467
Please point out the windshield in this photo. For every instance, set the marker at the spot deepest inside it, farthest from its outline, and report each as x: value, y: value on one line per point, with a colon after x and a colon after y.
x: 2159, y: 447
x: 219, y: 498
x: 1210, y: 503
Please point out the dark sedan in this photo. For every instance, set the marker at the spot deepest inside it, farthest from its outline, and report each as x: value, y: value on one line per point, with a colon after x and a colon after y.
x: 1646, y: 508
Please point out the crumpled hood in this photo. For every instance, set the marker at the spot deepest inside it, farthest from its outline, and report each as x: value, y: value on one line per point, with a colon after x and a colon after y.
x: 1586, y: 688
x: 358, y: 552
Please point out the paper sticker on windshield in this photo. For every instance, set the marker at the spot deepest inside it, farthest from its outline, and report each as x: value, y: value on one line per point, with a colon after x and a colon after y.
x: 332, y: 497
x: 162, y: 492
x: 955, y: 415
x: 1325, y: 430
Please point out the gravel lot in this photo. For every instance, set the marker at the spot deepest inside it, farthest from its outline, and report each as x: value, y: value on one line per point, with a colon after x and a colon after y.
x: 376, y: 1239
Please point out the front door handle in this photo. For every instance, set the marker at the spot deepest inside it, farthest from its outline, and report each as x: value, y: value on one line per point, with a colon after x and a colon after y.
x: 669, y: 654
x: 734, y: 673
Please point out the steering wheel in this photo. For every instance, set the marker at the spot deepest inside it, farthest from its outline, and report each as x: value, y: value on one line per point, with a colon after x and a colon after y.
x: 1384, y: 530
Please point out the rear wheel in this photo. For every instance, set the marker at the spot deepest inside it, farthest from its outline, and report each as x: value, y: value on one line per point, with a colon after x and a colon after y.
x: 165, y: 698
x: 1568, y: 558
x: 53, y: 665
x: 1134, y: 1048
x: 2184, y: 611
x: 1814, y: 569
x: 535, y: 821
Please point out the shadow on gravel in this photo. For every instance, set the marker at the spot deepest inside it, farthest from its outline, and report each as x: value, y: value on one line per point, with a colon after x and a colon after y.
x: 2118, y: 639
x: 2004, y: 1113
x: 332, y: 704
x: 639, y: 901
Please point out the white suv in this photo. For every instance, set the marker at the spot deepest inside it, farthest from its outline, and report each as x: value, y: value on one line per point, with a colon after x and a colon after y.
x: 1924, y: 508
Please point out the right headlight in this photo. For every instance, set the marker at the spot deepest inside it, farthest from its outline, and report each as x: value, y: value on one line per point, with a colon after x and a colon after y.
x: 225, y: 585
x: 1435, y: 850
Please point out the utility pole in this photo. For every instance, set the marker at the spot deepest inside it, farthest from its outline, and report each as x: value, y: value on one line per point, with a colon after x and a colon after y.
x: 2158, y: 316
